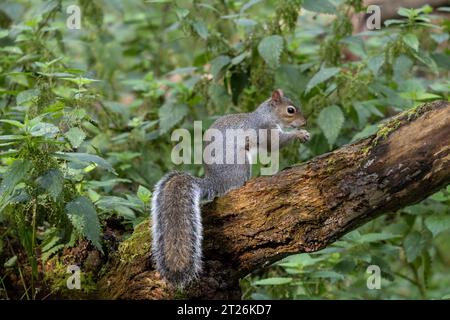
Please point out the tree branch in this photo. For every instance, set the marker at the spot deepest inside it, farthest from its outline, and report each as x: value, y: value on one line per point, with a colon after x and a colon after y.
x: 303, y: 208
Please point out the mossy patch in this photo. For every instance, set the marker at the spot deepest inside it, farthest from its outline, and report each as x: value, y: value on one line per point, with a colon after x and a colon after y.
x: 58, y: 277
x: 138, y: 244
x: 331, y: 165
x: 394, y: 123
x: 385, y: 130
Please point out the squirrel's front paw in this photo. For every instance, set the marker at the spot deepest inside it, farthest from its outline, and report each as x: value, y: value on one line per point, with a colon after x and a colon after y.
x: 303, y: 136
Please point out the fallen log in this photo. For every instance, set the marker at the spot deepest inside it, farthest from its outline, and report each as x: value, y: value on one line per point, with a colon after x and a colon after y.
x: 303, y: 208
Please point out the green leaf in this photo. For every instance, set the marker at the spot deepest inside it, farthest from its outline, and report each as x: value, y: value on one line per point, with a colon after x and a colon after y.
x: 270, y: 49
x: 13, y: 123
x: 375, y: 63
x: 411, y: 41
x: 18, y: 51
x: 181, y: 13
x: 15, y: 174
x: 43, y: 129
x: 405, y: 12
x: 375, y: 237
x: 363, y: 112
x: 238, y: 59
x: 291, y: 79
x: 185, y: 70
x: 144, y: 194
x: 121, y: 206
x: 327, y: 274
x: 111, y: 202
x: 299, y: 260
x: 439, y: 196
x: 125, y: 212
x: 219, y: 95
x: 169, y: 115
x: 345, y: 265
x: 419, y: 96
x: 75, y: 136
x: 218, y: 64
x: 10, y: 137
x: 425, y: 58
x: 83, y: 216
x: 3, y: 33
x: 440, y: 37
x: 207, y: 6
x: 201, y: 29
x: 47, y: 7
x: 413, y: 245
x: 330, y: 120
x: 51, y: 238
x: 321, y: 6
x: 275, y: 281
x: 48, y: 253
x: 366, y: 132
x: 80, y: 81
x: 27, y: 95
x: 86, y: 158
x: 53, y: 182
x: 11, y: 262
x: 94, y: 196
x: 427, y: 9
x: 438, y: 223
x: 249, y: 4
x: 260, y: 296
x: 389, y: 22
x: 323, y: 75
x: 243, y: 22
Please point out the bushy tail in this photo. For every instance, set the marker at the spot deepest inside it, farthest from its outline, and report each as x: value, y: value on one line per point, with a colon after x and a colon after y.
x: 177, y: 228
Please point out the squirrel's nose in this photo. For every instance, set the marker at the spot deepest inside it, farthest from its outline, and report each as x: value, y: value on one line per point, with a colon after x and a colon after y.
x: 303, y: 122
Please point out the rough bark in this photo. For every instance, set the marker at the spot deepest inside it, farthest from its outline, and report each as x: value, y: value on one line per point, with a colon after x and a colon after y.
x: 303, y: 208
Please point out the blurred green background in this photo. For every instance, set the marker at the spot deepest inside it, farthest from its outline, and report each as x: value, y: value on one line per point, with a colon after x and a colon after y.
x: 86, y: 117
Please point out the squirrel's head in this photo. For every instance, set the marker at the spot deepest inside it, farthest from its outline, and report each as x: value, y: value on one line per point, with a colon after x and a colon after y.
x: 289, y: 114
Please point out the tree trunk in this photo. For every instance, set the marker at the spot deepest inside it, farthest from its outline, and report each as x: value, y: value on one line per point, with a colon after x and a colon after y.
x: 303, y: 208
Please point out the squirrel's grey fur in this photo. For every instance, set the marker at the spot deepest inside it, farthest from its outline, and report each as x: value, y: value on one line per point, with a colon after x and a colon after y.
x: 176, y: 218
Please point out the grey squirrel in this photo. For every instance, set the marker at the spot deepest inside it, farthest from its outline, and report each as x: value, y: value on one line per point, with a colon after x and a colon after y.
x: 176, y: 218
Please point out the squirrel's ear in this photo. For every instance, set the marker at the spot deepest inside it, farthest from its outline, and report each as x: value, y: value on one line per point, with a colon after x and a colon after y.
x: 277, y: 96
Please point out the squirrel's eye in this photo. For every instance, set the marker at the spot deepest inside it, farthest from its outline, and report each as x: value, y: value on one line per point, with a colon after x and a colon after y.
x: 291, y: 110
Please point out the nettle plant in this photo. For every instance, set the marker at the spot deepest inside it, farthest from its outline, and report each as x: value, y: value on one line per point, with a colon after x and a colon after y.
x: 41, y: 194
x: 49, y: 197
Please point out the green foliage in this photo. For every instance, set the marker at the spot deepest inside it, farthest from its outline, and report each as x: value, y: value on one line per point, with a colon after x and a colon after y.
x: 75, y: 136
x: 320, y: 6
x: 330, y: 120
x: 11, y: 178
x: 323, y: 75
x: 53, y: 182
x: 86, y: 117
x: 169, y: 115
x: 82, y: 214
x: 144, y: 194
x: 270, y: 49
x: 438, y: 223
